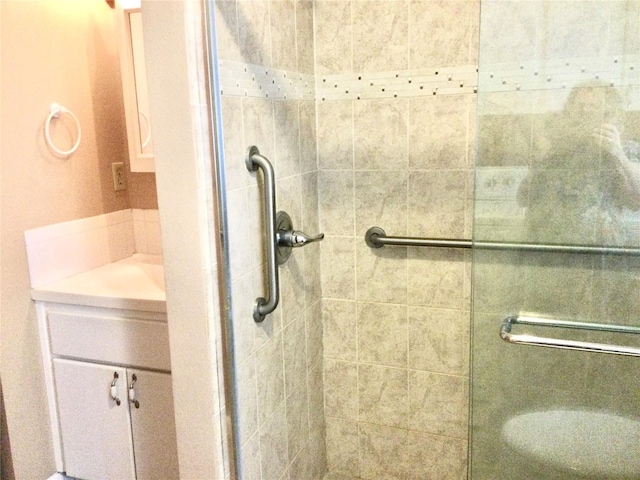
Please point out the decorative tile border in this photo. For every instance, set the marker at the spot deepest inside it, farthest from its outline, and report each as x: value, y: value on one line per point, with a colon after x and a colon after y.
x: 247, y: 80
x: 403, y: 83
x: 560, y: 73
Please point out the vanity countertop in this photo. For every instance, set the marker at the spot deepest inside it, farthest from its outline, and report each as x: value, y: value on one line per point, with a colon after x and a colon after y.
x: 134, y: 283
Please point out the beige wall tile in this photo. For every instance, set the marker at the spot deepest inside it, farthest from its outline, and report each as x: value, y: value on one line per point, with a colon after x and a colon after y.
x: 341, y: 389
x: 254, y: 32
x: 438, y: 131
x: 249, y: 460
x: 311, y: 461
x: 257, y: 114
x: 270, y: 377
x: 310, y: 207
x: 468, y: 271
x: 292, y: 288
x: 381, y: 200
x: 311, y: 273
x: 295, y: 355
x: 437, y: 203
x: 624, y: 29
x: 342, y: 447
x: 441, y: 32
x: 439, y: 340
x: 438, y: 403
x: 283, y: 34
x: 515, y: 40
x: 315, y: 389
x: 335, y: 135
x: 273, y: 444
x: 383, y: 395
x: 499, y: 286
x: 382, y: 334
x: 227, y: 38
x: 297, y: 420
x: 432, y: 457
x: 382, y: 452
x: 238, y: 226
x: 381, y: 274
x: 380, y: 133
x: 335, y: 190
x: 235, y: 150
x: 340, y: 329
x: 333, y: 27
x: 338, y: 268
x: 247, y: 402
x: 562, y: 287
x: 289, y: 198
x: 318, y: 450
x: 443, y: 286
x: 380, y: 35
x: 314, y: 333
x: 505, y: 140
x: 287, y: 135
x: 308, y: 147
x: 572, y: 29
x: 304, y: 36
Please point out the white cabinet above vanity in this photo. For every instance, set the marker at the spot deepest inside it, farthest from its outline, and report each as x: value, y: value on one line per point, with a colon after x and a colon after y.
x: 134, y: 85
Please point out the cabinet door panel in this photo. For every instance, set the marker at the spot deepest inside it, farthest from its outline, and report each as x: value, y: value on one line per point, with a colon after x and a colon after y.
x: 96, y: 432
x: 153, y: 425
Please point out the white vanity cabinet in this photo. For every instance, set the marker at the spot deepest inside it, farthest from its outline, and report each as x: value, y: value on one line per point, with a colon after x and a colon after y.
x: 109, y: 388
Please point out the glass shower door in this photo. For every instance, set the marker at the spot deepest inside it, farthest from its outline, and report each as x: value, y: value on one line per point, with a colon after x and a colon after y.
x: 557, y: 164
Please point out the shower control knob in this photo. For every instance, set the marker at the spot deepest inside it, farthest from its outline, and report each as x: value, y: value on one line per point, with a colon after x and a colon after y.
x: 295, y: 238
x: 287, y: 238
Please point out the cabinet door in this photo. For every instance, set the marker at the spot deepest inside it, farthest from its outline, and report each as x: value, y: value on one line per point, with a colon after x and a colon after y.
x: 153, y: 425
x: 95, y: 430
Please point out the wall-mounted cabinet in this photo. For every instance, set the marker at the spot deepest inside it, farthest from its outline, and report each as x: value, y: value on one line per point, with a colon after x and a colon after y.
x: 134, y: 85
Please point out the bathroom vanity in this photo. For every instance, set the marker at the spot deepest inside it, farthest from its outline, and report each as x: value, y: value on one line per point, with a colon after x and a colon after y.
x: 105, y: 348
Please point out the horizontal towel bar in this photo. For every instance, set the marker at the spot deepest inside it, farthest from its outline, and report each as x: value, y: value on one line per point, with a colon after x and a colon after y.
x: 376, y: 237
x: 510, y: 321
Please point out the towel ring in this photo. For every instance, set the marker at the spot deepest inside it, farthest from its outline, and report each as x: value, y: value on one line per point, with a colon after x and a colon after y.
x: 57, y: 110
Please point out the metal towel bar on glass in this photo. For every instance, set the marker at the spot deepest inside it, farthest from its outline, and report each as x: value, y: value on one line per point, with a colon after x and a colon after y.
x: 525, y: 339
x: 376, y: 237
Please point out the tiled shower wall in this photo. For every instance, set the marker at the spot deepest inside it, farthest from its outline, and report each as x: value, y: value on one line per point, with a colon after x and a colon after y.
x: 278, y: 362
x: 396, y: 320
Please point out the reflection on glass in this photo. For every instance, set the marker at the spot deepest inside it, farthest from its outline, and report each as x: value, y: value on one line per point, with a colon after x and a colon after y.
x: 558, y: 162
x: 578, y: 191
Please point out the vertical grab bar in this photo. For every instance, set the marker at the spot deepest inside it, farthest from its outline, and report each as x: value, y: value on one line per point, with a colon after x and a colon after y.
x: 253, y: 161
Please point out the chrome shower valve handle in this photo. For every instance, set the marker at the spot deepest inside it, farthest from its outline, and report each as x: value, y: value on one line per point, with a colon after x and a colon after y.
x: 288, y: 238
x: 295, y: 238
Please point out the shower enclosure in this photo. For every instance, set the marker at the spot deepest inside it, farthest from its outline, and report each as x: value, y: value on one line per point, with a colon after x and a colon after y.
x: 557, y: 163
x: 510, y: 124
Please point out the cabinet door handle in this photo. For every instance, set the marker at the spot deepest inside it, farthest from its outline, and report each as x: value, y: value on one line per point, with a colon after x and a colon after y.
x: 114, y: 388
x: 132, y: 391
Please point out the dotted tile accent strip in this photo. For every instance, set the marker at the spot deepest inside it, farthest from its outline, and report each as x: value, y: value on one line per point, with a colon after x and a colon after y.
x: 404, y: 83
x: 247, y: 80
x: 560, y: 73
